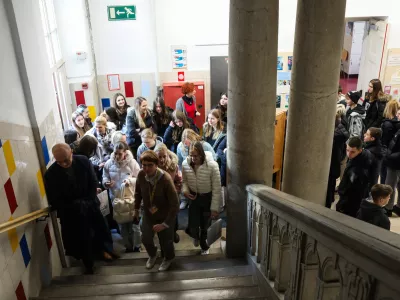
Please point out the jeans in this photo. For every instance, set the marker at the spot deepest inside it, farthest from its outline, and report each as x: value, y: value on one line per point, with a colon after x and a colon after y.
x: 392, y: 179
x: 200, y: 219
x: 166, y: 238
x: 130, y: 233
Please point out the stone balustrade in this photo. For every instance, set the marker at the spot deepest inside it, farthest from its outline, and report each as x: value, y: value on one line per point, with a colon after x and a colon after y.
x: 305, y: 251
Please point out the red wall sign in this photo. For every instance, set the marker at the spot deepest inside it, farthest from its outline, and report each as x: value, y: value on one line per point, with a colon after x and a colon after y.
x: 181, y: 76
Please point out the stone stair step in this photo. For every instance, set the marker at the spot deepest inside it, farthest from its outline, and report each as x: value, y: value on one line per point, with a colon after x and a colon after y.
x: 140, y: 258
x: 150, y: 277
x: 180, y: 264
x: 246, y: 292
x: 143, y: 287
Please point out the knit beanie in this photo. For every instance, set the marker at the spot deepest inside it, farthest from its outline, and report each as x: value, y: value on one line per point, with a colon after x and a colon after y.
x: 354, y: 96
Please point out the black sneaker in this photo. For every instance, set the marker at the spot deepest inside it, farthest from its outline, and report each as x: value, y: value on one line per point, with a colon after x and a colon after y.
x: 129, y: 250
x: 136, y: 249
x: 396, y: 210
x: 176, y: 238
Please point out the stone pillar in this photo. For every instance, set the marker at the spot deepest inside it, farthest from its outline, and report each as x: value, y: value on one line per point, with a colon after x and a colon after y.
x: 315, y: 78
x: 253, y: 44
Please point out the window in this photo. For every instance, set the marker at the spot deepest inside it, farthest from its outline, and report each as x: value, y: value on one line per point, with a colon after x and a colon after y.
x: 50, y: 31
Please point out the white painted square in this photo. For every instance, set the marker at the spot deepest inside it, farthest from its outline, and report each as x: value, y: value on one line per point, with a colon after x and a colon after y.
x: 7, y: 285
x: 16, y: 268
x: 3, y: 168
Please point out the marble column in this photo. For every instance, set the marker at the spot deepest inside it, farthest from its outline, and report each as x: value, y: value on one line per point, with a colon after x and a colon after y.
x: 315, y: 79
x: 253, y: 47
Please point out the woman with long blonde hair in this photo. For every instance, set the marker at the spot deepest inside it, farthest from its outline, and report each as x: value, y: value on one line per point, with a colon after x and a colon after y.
x: 138, y: 118
x: 214, y: 129
x: 390, y: 126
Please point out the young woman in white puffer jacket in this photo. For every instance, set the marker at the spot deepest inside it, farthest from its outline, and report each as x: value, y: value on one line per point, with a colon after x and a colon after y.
x: 122, y: 169
x: 202, y: 185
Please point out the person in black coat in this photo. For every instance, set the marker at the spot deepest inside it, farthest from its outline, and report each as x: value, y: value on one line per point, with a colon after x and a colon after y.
x: 390, y: 126
x: 374, y: 104
x: 392, y: 162
x: 372, y: 140
x: 121, y: 107
x: 162, y: 115
x: 354, y: 186
x: 221, y: 159
x: 338, y: 154
x: 138, y: 118
x: 71, y: 188
x: 372, y: 211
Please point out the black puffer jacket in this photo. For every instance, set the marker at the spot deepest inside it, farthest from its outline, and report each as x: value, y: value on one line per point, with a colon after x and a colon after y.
x: 378, y: 152
x: 374, y: 111
x: 373, y: 214
x: 354, y: 186
x: 392, y: 159
x: 340, y: 137
x: 162, y: 126
x: 389, y: 129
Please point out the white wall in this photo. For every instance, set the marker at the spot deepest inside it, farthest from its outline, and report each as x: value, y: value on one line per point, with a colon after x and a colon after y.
x: 12, y: 105
x: 73, y: 31
x: 191, y: 23
x: 35, y: 55
x: 123, y: 47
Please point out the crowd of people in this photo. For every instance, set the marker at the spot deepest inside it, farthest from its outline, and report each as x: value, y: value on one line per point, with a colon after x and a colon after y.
x: 155, y: 161
x: 152, y: 162
x: 365, y: 151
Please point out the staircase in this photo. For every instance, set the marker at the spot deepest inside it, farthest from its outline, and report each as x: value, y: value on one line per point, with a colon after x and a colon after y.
x: 192, y: 276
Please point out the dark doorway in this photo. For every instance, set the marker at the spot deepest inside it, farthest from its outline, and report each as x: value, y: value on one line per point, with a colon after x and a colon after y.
x: 219, y: 77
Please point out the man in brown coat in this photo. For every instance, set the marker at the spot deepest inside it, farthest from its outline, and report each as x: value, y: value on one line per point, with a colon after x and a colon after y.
x: 156, y: 190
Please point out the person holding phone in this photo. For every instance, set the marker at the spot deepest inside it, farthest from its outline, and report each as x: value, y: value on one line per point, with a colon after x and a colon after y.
x: 202, y: 186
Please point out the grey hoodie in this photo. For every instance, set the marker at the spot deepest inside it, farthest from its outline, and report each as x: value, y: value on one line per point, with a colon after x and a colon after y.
x: 355, y: 122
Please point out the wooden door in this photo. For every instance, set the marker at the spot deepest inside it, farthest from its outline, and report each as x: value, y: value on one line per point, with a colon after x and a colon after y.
x: 172, y: 92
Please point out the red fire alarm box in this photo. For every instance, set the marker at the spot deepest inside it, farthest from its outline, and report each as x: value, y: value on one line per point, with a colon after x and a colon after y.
x: 85, y: 86
x: 172, y: 92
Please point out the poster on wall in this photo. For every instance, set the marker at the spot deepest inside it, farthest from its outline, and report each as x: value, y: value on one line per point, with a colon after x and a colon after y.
x: 278, y: 101
x: 179, y: 57
x: 289, y: 62
x: 393, y: 60
x: 387, y: 89
x: 280, y: 63
x: 287, y: 101
x: 396, y: 94
x: 113, y: 82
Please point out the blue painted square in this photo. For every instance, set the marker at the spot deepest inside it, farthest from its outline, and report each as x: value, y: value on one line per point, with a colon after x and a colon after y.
x: 25, y: 250
x: 45, y: 151
x: 1, y: 145
x: 105, y: 102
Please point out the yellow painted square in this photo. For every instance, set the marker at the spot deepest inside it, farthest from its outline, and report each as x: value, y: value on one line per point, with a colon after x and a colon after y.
x: 40, y: 183
x: 92, y: 112
x: 13, y: 238
x: 9, y: 156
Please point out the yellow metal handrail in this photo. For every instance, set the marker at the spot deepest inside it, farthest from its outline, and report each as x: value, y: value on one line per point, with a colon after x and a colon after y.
x: 24, y: 219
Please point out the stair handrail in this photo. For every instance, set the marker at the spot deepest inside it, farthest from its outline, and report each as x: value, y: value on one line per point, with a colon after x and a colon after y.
x: 14, y: 223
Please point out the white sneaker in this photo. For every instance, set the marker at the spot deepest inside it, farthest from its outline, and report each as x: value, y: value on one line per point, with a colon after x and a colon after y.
x: 196, y: 242
x: 183, y: 205
x: 151, y: 262
x: 165, y: 265
x: 205, y: 252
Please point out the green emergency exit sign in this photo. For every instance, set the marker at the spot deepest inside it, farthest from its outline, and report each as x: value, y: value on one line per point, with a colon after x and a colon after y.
x: 121, y: 12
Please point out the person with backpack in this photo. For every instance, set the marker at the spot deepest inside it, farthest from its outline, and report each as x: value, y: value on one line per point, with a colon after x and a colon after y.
x: 355, y: 114
x: 119, y: 176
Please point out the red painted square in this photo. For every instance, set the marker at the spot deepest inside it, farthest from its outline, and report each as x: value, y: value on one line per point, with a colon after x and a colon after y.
x: 12, y: 201
x: 129, y: 89
x: 80, y: 97
x: 47, y: 235
x: 181, y: 76
x: 19, y: 292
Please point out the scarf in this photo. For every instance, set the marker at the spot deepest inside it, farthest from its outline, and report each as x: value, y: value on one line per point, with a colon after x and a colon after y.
x: 188, y: 100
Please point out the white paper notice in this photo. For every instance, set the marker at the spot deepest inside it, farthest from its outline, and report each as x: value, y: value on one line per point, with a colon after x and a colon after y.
x: 113, y: 82
x: 394, y: 60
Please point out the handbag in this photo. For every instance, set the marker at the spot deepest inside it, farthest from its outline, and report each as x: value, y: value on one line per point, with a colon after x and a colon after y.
x: 104, y: 204
x: 123, y: 207
x: 214, y: 232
